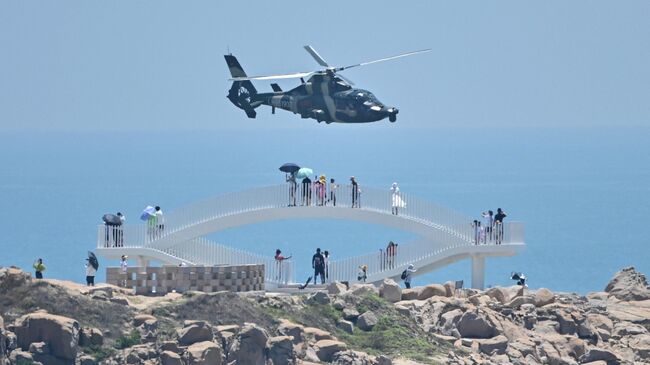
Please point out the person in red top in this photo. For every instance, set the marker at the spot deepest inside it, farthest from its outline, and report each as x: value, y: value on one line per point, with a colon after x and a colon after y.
x: 278, y: 262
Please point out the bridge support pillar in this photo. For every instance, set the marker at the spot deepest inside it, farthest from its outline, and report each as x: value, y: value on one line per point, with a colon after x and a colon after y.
x: 143, y: 263
x: 478, y: 272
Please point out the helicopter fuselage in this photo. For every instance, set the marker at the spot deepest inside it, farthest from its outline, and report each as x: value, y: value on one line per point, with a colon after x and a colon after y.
x: 329, y: 99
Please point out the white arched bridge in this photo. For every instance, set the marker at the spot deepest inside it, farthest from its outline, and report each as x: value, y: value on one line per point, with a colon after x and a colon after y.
x: 445, y: 236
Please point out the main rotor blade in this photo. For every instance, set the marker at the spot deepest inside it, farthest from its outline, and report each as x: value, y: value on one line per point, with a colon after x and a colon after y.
x: 384, y: 59
x: 273, y: 77
x: 316, y: 56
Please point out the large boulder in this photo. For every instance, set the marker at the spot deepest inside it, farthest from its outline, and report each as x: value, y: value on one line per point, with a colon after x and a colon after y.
x: 473, y: 325
x: 350, y: 357
x: 628, y: 284
x: 250, y: 345
x: 367, y: 321
x: 499, y: 294
x: 362, y: 289
x: 448, y: 322
x: 599, y: 354
x: 596, y: 325
x: 346, y: 326
x: 336, y: 287
x: 281, y: 350
x: 390, y: 291
x: 288, y: 328
x: 410, y: 294
x: 495, y: 345
x: 90, y: 337
x: 60, y: 333
x: 194, y: 331
x: 170, y: 358
x: 204, y: 353
x: 543, y: 297
x: 319, y: 297
x: 318, y: 334
x: 432, y: 290
x: 325, y: 349
x: 640, y: 345
x: 351, y: 314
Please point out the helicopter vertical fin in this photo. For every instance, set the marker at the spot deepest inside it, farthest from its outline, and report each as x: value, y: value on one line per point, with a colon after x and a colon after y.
x: 241, y: 92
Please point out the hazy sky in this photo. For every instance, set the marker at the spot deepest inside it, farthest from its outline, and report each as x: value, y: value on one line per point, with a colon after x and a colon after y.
x: 145, y: 65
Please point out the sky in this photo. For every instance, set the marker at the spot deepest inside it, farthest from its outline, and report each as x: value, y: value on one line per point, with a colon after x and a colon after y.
x: 144, y: 65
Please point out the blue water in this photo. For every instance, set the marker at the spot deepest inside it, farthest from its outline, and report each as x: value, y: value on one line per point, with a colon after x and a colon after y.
x: 584, y: 195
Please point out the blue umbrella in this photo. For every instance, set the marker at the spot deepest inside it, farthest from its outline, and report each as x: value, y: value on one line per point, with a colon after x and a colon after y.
x: 304, y: 172
x: 147, y: 212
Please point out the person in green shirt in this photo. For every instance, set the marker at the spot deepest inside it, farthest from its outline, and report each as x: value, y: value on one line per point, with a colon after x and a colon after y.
x: 39, y: 267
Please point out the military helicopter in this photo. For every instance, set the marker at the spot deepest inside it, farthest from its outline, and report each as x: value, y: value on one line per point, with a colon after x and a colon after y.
x: 326, y: 96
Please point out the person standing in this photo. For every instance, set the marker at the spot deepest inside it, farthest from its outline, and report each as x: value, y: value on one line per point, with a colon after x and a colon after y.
x: 391, y: 251
x: 322, y: 189
x: 39, y: 268
x: 279, y: 258
x: 124, y: 268
x: 90, y: 273
x: 318, y: 264
x: 355, y: 192
x: 306, y: 191
x: 498, y: 223
x: 293, y: 186
x: 488, y: 223
x: 407, y: 275
x: 396, y: 199
x: 333, y: 187
x: 160, y: 221
x: 118, y: 231
x: 326, y: 259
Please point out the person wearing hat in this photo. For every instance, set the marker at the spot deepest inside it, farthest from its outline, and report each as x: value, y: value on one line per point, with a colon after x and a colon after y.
x: 407, y: 274
x: 355, y: 192
x: 124, y: 267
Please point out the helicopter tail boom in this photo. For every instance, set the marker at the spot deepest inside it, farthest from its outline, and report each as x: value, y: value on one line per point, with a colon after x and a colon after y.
x: 241, y: 93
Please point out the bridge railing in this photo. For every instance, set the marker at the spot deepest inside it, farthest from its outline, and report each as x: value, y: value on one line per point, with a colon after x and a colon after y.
x: 201, y: 251
x: 383, y: 201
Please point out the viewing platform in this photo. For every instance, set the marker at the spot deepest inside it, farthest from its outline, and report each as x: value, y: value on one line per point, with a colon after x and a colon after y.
x: 445, y: 236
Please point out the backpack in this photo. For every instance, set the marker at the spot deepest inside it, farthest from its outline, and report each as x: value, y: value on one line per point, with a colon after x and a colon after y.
x: 404, y: 274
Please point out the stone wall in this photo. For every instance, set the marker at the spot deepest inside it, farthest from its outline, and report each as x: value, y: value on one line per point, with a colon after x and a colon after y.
x: 165, y: 279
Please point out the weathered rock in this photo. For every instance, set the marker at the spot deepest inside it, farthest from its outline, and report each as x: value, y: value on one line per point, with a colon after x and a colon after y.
x: 640, y: 345
x: 336, y: 287
x: 350, y: 357
x: 518, y: 301
x: 636, y: 312
x: 100, y: 295
x: 20, y: 357
x: 596, y: 354
x: 318, y: 334
x: 194, y: 331
x: 325, y: 349
x: 431, y: 290
x: 281, y: 350
x: 450, y: 288
x: 363, y: 289
x: 287, y: 328
x: 170, y: 346
x: 499, y: 294
x: 628, y: 284
x: 622, y: 329
x: 346, y: 326
x: 390, y: 291
x: 543, y: 297
x: 60, y: 333
x: 204, y: 353
x: 410, y: 294
x: 351, y: 314
x: 170, y: 358
x: 449, y: 322
x: 90, y: 336
x: 320, y: 297
x: 596, y: 325
x: 367, y: 321
x: 141, y: 319
x: 338, y: 304
x: 473, y: 325
x: 87, y: 360
x: 495, y: 345
x: 250, y: 345
x: 119, y: 300
x: 567, y: 323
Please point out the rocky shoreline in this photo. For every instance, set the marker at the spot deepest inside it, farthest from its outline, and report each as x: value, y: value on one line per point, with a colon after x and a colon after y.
x: 56, y: 322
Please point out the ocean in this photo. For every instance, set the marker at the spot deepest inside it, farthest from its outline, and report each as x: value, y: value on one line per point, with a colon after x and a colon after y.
x: 583, y: 194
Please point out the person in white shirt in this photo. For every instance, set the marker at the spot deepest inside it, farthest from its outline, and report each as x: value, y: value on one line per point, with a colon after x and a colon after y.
x: 488, y: 223
x: 397, y: 201
x: 124, y: 266
x: 160, y: 221
x: 409, y: 275
x: 90, y: 273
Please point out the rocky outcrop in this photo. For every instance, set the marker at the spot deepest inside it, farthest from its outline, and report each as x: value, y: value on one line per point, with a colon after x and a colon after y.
x: 325, y: 349
x: 473, y: 325
x: 336, y: 288
x: 628, y: 284
x: 194, y: 331
x: 543, y: 297
x: 250, y: 345
x: 367, y: 321
x: 281, y: 350
x: 204, y: 353
x: 60, y: 334
x: 432, y: 290
x: 390, y: 291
